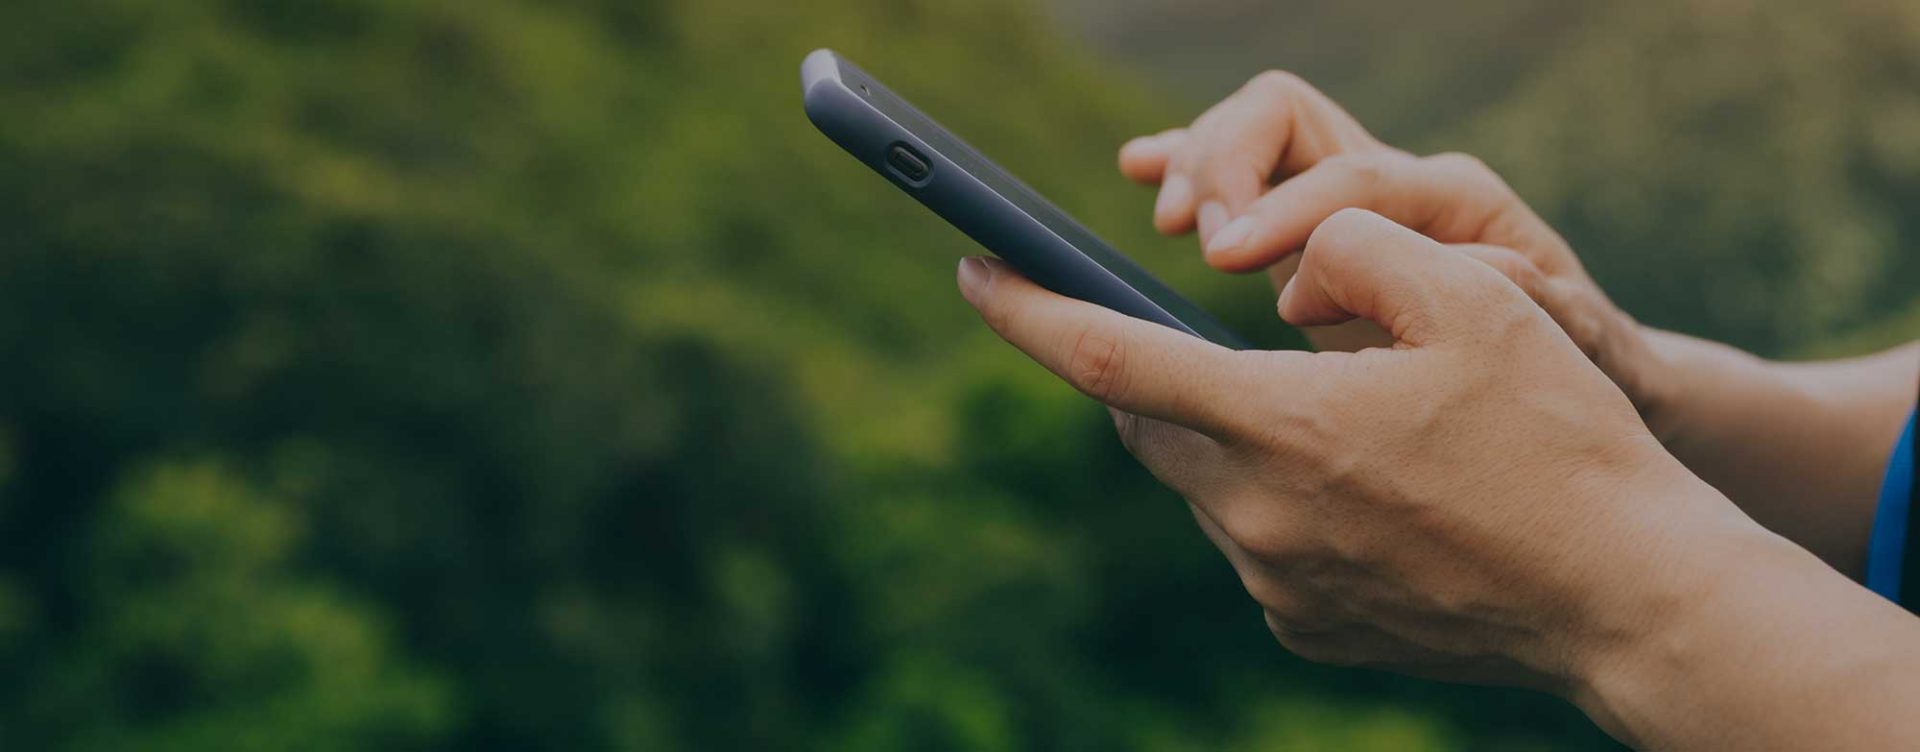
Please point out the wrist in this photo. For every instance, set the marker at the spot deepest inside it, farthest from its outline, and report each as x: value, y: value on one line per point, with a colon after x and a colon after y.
x: 1666, y: 627
x: 1653, y: 378
x: 1669, y: 372
x: 1729, y: 633
x: 1656, y: 544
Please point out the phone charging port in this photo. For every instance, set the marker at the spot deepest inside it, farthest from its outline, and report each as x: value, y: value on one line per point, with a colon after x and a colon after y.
x: 908, y: 163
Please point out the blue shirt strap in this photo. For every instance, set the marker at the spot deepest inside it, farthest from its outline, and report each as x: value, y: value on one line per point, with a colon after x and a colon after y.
x: 1890, y: 572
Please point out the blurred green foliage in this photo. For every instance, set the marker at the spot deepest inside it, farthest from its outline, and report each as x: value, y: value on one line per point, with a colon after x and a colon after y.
x: 1774, y: 146
x: 504, y: 375
x: 1747, y: 170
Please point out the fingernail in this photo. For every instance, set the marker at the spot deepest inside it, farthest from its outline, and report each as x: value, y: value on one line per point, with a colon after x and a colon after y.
x: 1213, y: 214
x: 1175, y: 194
x: 974, y: 274
x: 1286, y: 292
x: 1232, y: 236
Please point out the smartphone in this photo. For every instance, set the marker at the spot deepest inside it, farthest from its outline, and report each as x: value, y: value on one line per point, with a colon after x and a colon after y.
x: 972, y: 193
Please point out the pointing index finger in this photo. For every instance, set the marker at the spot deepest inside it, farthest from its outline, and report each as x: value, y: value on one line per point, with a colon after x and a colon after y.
x: 1275, y: 125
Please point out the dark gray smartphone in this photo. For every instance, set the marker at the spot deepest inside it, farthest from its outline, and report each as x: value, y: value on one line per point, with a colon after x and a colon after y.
x: 999, y: 212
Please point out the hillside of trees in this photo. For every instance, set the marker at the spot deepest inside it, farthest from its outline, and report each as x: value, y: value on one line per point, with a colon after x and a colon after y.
x: 510, y: 375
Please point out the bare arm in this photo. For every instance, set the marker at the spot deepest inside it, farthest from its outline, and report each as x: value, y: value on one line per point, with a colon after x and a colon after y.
x: 1802, y: 447
x: 1762, y: 647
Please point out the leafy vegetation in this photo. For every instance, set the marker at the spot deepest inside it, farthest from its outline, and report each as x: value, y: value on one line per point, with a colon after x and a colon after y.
x: 1741, y: 169
x: 513, y: 375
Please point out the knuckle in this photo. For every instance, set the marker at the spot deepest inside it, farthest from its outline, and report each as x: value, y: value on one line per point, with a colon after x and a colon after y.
x: 1292, y: 614
x: 1271, y: 593
x: 1574, y: 294
x: 1575, y: 310
x: 1223, y: 167
x: 1278, y: 83
x: 1529, y: 278
x: 1460, y: 160
x: 1266, y: 543
x: 1513, y: 321
x: 1341, y: 475
x: 1516, y: 267
x: 1096, y: 364
x: 1345, y: 231
x: 1299, y: 430
x: 1326, y: 647
x: 1464, y: 165
x: 1367, y: 171
x: 1469, y: 169
x: 1257, y: 533
x: 1353, y: 219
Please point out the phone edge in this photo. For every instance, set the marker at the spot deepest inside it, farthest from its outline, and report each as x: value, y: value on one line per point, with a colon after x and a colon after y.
x: 966, y: 201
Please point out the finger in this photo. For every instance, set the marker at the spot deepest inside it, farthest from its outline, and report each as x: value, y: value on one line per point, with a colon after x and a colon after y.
x: 1137, y: 366
x: 1276, y: 123
x: 1173, y: 208
x: 1571, y: 306
x: 1344, y: 643
x: 1440, y: 197
x: 1263, y: 588
x: 1190, y: 463
x: 1203, y: 472
x: 1236, y: 556
x: 1144, y: 159
x: 1295, y: 624
x: 1510, y: 263
x: 1359, y: 264
x: 1353, y: 336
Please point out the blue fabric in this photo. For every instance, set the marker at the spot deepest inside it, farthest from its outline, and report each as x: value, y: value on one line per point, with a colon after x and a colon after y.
x: 1886, y: 550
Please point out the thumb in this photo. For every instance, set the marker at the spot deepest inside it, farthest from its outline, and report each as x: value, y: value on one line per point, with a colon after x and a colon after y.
x: 1358, y: 264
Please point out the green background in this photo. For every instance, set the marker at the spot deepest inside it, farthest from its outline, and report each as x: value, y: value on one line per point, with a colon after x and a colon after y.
x: 506, y: 375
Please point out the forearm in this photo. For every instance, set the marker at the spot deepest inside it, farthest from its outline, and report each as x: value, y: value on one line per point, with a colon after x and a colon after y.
x: 1757, y: 645
x: 1801, y: 447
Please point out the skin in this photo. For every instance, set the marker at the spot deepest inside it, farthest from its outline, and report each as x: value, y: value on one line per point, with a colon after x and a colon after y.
x: 1507, y: 481
x: 1800, y: 447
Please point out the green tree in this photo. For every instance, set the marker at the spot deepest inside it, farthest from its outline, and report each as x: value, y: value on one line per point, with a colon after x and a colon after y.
x: 531, y: 375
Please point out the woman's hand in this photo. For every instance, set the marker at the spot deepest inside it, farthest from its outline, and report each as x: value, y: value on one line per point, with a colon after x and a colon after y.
x: 1800, y: 447
x: 1260, y: 170
x: 1477, y: 503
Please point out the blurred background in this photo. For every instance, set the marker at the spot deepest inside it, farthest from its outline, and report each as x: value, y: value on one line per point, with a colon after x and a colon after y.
x: 512, y: 375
